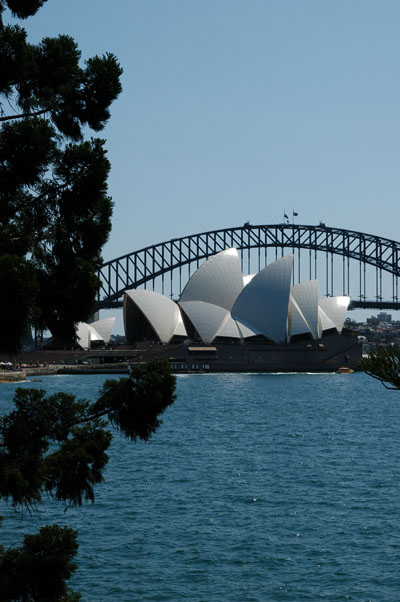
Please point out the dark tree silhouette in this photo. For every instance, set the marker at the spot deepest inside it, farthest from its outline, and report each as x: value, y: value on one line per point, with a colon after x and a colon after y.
x: 56, y: 445
x: 383, y: 363
x: 55, y: 216
x: 55, y: 213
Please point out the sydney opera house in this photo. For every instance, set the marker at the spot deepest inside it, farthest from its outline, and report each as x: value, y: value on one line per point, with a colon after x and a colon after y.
x: 95, y: 333
x: 224, y: 320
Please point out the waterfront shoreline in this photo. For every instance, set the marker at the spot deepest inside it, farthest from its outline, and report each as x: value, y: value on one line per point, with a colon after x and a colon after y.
x: 124, y: 370
x: 328, y: 354
x: 12, y: 377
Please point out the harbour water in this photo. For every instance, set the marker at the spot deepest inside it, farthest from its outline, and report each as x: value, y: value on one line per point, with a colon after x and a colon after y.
x: 257, y: 487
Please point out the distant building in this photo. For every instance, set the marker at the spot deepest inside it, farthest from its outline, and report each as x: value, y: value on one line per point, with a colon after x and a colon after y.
x: 384, y: 317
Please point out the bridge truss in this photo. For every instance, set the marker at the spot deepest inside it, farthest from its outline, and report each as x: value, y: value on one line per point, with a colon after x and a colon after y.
x: 364, y: 266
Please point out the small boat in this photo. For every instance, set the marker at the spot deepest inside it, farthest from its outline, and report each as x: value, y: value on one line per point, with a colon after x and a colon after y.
x: 345, y: 370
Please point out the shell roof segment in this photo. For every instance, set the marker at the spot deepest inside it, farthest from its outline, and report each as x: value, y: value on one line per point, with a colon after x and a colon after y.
x: 263, y: 304
x: 297, y: 324
x: 305, y: 295
x: 324, y: 323
x: 218, y: 281
x: 219, y: 301
x: 100, y: 330
x: 161, y: 312
x: 206, y: 318
x: 335, y: 309
x: 247, y: 278
x: 229, y: 329
x: 104, y: 328
x: 247, y: 332
x: 83, y: 335
x: 180, y: 329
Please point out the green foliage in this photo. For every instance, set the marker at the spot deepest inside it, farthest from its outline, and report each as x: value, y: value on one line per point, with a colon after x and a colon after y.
x: 28, y: 468
x: 383, y: 363
x: 55, y: 213
x: 55, y: 216
x: 18, y: 277
x: 133, y: 404
x: 37, y: 572
x: 57, y: 445
x: 22, y: 8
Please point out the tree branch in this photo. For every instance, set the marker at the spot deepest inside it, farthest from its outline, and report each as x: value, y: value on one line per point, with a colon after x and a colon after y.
x: 383, y: 380
x: 22, y: 115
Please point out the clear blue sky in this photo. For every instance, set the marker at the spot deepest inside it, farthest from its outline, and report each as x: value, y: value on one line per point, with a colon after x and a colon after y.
x: 233, y: 110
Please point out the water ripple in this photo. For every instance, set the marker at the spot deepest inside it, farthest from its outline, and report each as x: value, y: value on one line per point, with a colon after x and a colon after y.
x: 256, y: 488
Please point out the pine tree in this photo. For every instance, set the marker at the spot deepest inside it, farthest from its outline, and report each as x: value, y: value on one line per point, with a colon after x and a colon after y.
x: 55, y: 213
x: 383, y: 363
x: 56, y: 446
x: 55, y: 216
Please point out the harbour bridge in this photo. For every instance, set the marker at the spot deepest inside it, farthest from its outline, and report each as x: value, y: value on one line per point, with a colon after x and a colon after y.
x: 345, y: 262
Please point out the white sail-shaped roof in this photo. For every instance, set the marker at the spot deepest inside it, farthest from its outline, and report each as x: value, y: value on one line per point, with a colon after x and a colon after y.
x: 336, y: 309
x: 229, y: 329
x: 160, y: 311
x: 305, y: 295
x: 297, y: 324
x: 247, y: 278
x: 324, y: 323
x: 83, y: 335
x: 206, y: 318
x: 245, y: 331
x: 86, y: 334
x: 180, y: 329
x: 263, y: 304
x: 94, y: 335
x: 104, y: 328
x: 218, y: 301
x: 218, y: 281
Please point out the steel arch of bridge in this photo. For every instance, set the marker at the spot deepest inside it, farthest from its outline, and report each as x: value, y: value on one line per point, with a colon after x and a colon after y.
x: 146, y: 265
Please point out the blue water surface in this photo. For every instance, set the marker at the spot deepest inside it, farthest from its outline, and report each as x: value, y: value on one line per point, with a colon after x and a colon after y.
x: 257, y: 487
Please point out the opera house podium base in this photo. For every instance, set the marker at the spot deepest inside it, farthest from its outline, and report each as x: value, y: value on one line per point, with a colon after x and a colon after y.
x: 323, y: 355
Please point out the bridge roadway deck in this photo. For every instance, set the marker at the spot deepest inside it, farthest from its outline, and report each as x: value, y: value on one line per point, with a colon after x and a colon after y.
x: 354, y: 304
